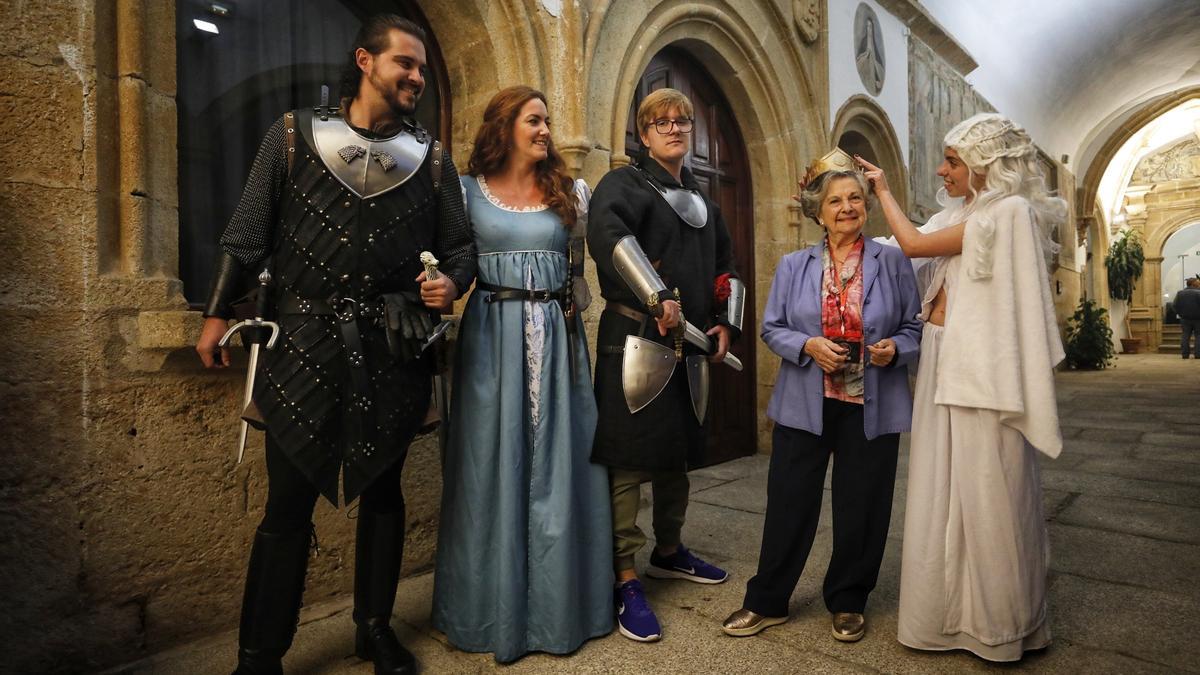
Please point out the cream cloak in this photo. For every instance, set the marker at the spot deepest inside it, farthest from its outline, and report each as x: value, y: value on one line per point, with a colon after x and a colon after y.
x: 1001, y: 341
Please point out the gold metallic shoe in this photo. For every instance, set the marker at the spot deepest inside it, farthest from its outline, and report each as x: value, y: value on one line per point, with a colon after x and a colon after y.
x: 744, y: 623
x: 849, y: 626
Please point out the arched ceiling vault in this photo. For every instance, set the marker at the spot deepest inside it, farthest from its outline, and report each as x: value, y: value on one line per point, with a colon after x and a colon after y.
x: 1071, y: 71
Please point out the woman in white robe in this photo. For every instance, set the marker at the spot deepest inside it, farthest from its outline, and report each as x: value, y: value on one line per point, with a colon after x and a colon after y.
x: 975, y: 553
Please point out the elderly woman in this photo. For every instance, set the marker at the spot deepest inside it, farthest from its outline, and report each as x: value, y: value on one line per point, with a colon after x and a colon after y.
x: 842, y: 316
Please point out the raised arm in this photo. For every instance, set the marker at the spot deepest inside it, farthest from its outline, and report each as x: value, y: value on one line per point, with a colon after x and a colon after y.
x: 914, y: 243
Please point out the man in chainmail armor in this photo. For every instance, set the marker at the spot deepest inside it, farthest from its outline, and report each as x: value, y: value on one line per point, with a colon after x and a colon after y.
x: 338, y: 207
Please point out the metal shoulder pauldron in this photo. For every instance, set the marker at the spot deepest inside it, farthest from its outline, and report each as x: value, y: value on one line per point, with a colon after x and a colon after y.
x: 368, y: 168
x: 687, y: 204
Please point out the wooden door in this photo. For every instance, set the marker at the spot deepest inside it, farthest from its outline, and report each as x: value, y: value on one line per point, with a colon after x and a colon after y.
x: 718, y: 161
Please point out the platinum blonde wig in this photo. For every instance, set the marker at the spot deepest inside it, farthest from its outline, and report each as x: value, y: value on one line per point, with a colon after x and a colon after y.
x: 996, y: 148
x: 815, y: 191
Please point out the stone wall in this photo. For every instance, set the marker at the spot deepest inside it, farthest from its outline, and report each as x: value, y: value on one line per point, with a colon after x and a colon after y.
x: 125, y: 517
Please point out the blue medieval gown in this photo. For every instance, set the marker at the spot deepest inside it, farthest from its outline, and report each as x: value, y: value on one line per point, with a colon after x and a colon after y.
x: 524, y: 559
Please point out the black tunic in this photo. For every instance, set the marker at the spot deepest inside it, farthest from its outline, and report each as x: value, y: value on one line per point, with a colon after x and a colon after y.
x: 325, y: 242
x: 663, y: 436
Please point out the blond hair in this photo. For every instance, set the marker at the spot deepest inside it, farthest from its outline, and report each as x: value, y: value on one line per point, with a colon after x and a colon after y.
x: 660, y: 102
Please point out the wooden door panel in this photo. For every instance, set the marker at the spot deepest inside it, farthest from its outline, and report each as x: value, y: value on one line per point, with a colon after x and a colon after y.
x: 718, y: 161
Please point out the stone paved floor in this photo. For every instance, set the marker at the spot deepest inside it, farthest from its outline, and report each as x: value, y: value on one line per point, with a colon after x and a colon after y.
x: 1123, y: 504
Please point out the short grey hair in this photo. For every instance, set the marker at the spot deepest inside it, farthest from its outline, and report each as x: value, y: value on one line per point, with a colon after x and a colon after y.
x: 815, y: 192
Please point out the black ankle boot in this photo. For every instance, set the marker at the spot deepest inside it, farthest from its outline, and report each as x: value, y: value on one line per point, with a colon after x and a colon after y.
x: 379, y: 551
x: 271, y: 605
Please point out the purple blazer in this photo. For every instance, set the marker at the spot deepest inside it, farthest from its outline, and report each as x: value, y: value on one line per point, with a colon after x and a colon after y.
x: 890, y: 309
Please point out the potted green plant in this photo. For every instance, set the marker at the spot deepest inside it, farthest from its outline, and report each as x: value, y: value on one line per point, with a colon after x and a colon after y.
x: 1124, y: 265
x: 1089, y: 339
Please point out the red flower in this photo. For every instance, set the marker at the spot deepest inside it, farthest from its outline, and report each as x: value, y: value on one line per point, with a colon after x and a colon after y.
x: 721, y: 288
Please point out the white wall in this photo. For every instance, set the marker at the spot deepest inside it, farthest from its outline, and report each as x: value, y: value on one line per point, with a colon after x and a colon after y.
x: 844, y: 81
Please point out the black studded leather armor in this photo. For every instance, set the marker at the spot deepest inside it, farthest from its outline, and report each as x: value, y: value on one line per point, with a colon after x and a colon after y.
x: 331, y: 393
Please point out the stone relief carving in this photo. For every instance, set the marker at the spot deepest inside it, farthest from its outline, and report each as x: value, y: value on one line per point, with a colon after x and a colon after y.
x: 868, y: 49
x: 1178, y: 161
x: 938, y: 99
x: 807, y: 16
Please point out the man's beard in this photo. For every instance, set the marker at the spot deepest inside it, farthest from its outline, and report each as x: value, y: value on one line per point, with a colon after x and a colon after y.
x: 391, y: 95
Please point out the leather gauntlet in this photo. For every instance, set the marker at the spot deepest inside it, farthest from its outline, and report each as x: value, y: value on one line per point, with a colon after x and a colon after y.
x: 227, y: 281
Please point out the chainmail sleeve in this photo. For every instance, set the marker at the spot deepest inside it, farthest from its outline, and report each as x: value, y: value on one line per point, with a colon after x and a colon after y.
x: 247, y: 237
x: 454, y: 240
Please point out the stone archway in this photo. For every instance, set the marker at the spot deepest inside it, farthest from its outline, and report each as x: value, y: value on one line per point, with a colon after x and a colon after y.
x: 1146, y: 312
x: 1090, y: 186
x: 861, y: 127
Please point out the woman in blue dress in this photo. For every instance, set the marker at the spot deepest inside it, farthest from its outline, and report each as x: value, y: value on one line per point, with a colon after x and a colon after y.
x: 524, y: 558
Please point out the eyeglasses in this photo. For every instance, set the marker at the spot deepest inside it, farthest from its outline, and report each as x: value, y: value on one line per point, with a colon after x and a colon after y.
x: 663, y: 126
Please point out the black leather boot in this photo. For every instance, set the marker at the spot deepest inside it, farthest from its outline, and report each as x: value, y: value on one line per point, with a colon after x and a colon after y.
x: 377, y: 557
x: 271, y: 606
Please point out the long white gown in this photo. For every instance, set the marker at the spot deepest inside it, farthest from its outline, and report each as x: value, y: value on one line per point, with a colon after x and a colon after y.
x: 975, y: 549
x: 975, y: 553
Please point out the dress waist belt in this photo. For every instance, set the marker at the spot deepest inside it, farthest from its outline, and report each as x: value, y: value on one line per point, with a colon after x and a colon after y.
x: 499, y: 293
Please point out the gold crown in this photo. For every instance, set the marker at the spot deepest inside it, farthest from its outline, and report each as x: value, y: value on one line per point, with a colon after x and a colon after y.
x: 835, y: 160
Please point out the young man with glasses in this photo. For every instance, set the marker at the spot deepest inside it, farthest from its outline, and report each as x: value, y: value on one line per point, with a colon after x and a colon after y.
x: 664, y: 259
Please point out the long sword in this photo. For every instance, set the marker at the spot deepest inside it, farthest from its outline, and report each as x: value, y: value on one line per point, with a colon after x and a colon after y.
x: 264, y: 280
x: 441, y: 394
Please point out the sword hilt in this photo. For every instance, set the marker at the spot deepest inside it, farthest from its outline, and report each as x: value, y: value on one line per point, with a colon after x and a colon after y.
x: 248, y: 324
x: 679, y: 329
x: 264, y: 280
x: 260, y: 311
x: 431, y: 266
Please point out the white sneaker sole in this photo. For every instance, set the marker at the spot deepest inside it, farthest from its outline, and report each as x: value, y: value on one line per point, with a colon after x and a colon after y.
x: 767, y: 622
x: 637, y: 638
x: 662, y: 573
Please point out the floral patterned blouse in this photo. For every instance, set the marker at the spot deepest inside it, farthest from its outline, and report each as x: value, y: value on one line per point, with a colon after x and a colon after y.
x: 841, y: 319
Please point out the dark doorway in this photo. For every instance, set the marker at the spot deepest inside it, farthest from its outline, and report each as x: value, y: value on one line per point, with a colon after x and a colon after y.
x: 238, y: 70
x: 718, y: 160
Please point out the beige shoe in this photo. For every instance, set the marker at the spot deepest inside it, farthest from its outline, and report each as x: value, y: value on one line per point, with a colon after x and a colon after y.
x: 744, y: 623
x: 849, y: 626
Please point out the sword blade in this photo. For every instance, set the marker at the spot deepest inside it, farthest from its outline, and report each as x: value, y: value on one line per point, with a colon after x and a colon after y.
x: 242, y: 440
x: 438, y: 332
x: 247, y: 396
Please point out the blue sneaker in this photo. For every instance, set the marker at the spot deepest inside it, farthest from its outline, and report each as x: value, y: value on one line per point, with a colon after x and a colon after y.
x: 683, y: 565
x: 635, y: 619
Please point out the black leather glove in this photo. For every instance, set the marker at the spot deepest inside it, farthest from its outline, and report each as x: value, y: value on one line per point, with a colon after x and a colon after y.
x: 409, y: 324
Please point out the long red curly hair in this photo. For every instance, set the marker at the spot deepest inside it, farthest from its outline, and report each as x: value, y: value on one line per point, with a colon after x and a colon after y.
x: 494, y: 140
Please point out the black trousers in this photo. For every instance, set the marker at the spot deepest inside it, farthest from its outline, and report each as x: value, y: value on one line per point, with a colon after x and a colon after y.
x: 1188, y: 328
x: 864, y: 474
x: 291, y: 497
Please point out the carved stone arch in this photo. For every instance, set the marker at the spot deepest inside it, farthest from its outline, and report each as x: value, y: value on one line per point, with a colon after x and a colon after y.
x: 1158, y: 238
x: 480, y: 60
x: 862, y: 127
x: 1090, y: 186
x: 779, y: 124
